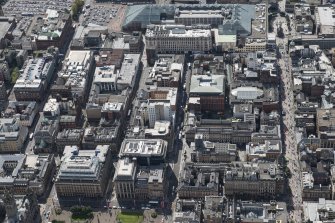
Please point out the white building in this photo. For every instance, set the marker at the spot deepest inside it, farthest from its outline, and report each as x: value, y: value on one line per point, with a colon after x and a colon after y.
x: 160, y: 108
x: 177, y: 39
x: 76, y: 71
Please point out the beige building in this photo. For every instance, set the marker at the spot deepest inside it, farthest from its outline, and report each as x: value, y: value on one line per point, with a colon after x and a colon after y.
x: 253, y: 180
x: 12, y: 135
x: 208, y: 152
x: 132, y: 181
x: 84, y: 172
x: 270, y: 149
x: 177, y: 39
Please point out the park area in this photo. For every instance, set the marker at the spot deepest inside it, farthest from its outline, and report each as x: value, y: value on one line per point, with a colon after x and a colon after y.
x: 125, y: 217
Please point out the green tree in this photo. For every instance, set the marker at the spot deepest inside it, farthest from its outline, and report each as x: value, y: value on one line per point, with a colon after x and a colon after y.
x: 76, y: 7
x: 15, y: 75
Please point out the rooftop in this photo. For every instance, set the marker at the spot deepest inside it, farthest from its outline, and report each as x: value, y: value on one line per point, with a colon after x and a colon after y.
x: 83, y: 165
x: 207, y: 84
x: 143, y: 147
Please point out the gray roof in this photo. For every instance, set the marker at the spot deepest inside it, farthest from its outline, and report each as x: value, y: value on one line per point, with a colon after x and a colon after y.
x: 210, y: 84
x: 151, y: 14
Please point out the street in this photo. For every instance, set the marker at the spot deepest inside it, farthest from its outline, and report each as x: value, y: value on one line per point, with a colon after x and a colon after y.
x: 288, y: 108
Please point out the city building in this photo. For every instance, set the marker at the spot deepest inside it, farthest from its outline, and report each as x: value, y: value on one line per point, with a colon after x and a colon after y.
x: 262, y: 96
x: 146, y: 151
x: 151, y: 183
x: 213, y: 211
x: 94, y: 136
x: 112, y: 88
x: 23, y: 209
x: 324, y: 126
x: 76, y: 73
x: 210, y: 152
x: 219, y: 130
x: 141, y: 183
x: 187, y: 210
x: 303, y: 19
x: 197, y: 183
x: 161, y: 130
x: 254, y: 180
x: 177, y: 39
x: 69, y: 137
x: 7, y: 25
x: 45, y: 134
x: 24, y: 111
x: 83, y: 36
x: 320, y: 211
x: 34, y: 78
x: 266, y: 132
x: 21, y: 173
x: 157, y: 104
x: 325, y: 21
x: 269, y: 150
x: 124, y: 179
x: 251, y: 211
x: 207, y: 93
x: 312, y: 191
x: 84, y: 173
x: 12, y: 135
x: 54, y: 29
x: 167, y: 71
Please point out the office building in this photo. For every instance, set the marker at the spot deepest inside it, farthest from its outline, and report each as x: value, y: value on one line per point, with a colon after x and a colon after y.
x: 84, y: 173
x: 54, y: 29
x: 24, y: 111
x: 146, y: 151
x: 12, y: 135
x: 177, y: 39
x: 210, y: 152
x: 34, y: 78
x: 21, y: 173
x: 208, y: 91
x: 254, y: 180
x: 325, y: 21
x: 76, y: 73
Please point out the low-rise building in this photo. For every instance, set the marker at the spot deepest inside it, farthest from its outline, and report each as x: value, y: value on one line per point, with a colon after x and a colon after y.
x: 25, y: 111
x: 84, y: 173
x: 12, y: 135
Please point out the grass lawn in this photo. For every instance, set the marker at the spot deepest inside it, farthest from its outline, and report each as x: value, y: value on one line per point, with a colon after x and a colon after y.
x: 130, y: 217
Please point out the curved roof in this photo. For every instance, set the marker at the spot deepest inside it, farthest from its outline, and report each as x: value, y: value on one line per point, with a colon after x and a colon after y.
x: 247, y: 92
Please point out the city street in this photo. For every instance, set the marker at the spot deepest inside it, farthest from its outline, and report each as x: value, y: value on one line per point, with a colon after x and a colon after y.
x: 288, y: 109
